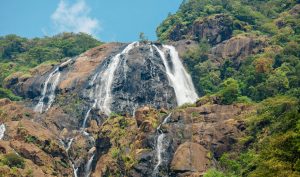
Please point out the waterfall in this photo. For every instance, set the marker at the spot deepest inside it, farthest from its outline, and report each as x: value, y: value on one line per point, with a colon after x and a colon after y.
x: 87, y: 114
x: 178, y: 77
x: 102, y: 93
x: 69, y: 144
x: 39, y: 107
x: 54, y: 76
x: 159, y: 146
x: 75, y: 170
x: 2, y: 131
x: 88, y: 167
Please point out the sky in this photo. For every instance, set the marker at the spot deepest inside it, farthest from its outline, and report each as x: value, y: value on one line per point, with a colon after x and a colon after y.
x: 106, y: 20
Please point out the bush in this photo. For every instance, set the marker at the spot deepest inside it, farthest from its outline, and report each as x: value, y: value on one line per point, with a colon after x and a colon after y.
x: 229, y: 92
x: 213, y: 173
x: 13, y: 160
x: 5, y: 93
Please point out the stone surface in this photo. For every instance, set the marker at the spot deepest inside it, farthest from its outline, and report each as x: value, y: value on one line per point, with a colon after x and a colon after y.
x: 190, y: 157
x: 214, y: 29
x: 237, y: 48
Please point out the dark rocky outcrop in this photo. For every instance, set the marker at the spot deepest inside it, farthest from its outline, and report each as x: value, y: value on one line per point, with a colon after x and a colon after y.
x: 237, y: 48
x: 214, y: 29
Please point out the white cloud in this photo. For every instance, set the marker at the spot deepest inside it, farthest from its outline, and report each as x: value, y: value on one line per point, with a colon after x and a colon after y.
x: 74, y: 18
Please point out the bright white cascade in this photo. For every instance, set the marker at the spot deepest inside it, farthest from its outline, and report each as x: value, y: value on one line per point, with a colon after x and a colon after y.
x: 102, y: 91
x: 54, y: 76
x: 87, y: 114
x: 2, y: 131
x: 69, y: 144
x: 179, y: 79
x: 159, y: 146
x: 88, y: 167
x: 75, y: 170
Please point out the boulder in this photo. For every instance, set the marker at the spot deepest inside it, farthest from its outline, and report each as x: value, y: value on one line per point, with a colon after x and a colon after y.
x: 190, y: 157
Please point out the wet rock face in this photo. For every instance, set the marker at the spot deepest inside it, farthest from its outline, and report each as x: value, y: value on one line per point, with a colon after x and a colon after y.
x: 141, y: 80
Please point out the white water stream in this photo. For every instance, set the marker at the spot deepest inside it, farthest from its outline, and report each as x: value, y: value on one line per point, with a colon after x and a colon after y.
x: 51, y: 82
x: 2, y: 131
x: 88, y: 167
x: 160, y: 145
x: 102, y: 92
x: 102, y: 95
x: 178, y: 77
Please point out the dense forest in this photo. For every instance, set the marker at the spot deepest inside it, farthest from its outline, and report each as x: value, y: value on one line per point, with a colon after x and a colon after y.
x: 269, y: 79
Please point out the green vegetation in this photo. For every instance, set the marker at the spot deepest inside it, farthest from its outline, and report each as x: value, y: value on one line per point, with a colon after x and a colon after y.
x: 143, y: 38
x: 271, y: 72
x: 273, y: 141
x: 13, y: 160
x: 269, y: 80
x: 18, y: 54
x: 248, y: 15
x: 5, y: 93
x: 213, y: 173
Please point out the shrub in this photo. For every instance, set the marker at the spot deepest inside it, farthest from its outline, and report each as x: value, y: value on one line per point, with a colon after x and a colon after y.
x: 213, y: 173
x: 5, y: 93
x: 229, y: 92
x: 13, y: 160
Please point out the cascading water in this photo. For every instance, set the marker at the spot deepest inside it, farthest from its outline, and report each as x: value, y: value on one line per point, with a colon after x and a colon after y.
x: 87, y: 114
x: 75, y: 170
x: 52, y: 82
x: 102, y: 96
x: 179, y: 79
x: 69, y: 144
x: 2, y: 131
x: 102, y: 92
x: 39, y: 107
x: 159, y: 147
x: 88, y: 167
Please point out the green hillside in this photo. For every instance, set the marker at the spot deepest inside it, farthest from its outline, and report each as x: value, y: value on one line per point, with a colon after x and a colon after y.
x: 268, y: 79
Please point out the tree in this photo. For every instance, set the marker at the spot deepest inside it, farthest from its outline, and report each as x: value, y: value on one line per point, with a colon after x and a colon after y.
x: 142, y: 37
